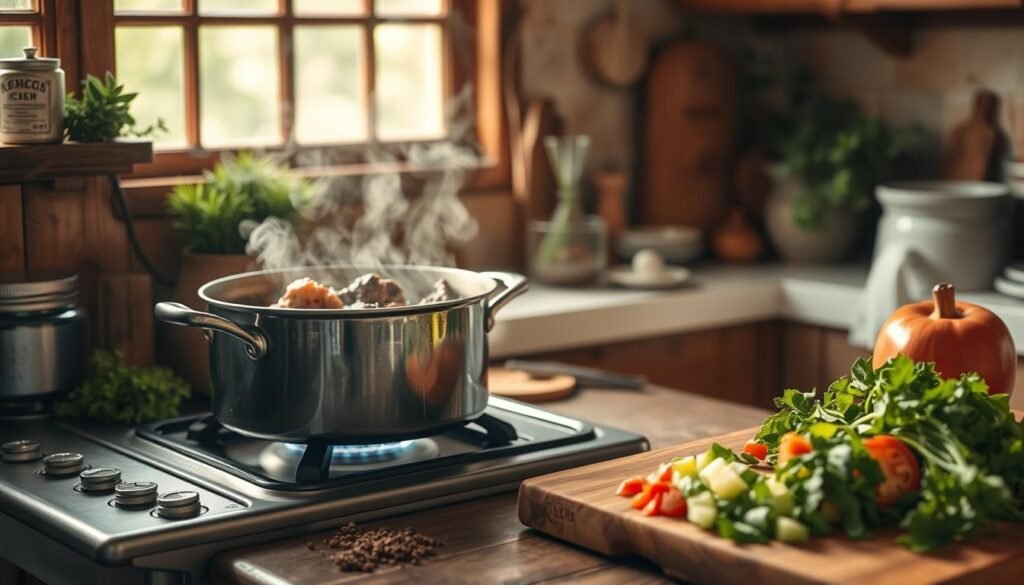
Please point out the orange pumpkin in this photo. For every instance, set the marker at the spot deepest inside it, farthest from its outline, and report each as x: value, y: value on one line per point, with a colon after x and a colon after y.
x: 959, y: 337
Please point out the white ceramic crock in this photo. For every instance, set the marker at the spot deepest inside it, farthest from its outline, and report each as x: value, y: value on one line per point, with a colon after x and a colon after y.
x: 959, y: 228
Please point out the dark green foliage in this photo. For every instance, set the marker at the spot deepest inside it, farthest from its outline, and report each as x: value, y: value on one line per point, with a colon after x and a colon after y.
x: 246, y: 187
x: 970, y: 447
x: 838, y: 153
x: 117, y: 393
x: 102, y: 114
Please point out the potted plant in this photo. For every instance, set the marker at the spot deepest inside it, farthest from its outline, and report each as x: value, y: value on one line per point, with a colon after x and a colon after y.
x: 830, y: 158
x: 245, y: 188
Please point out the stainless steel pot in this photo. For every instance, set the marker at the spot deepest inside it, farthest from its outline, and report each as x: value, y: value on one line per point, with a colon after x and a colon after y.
x: 347, y: 375
x: 42, y: 339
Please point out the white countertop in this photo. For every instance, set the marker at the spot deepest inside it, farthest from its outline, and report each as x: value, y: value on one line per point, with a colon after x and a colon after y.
x: 548, y: 319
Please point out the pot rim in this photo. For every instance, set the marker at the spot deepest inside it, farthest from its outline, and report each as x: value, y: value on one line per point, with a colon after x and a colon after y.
x: 927, y: 193
x: 349, y: 313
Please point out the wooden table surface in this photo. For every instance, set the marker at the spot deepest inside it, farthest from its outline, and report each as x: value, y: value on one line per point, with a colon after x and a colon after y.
x: 484, y: 542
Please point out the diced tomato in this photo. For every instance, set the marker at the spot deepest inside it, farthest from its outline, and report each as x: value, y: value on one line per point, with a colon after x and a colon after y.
x: 653, y: 508
x: 650, y: 491
x: 631, y: 487
x: 662, y: 475
x: 792, y: 445
x: 673, y: 504
x: 758, y: 450
x: 898, y: 463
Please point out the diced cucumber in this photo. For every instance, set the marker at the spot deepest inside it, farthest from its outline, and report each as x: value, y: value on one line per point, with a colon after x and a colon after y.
x: 704, y: 459
x: 725, y: 483
x: 711, y: 468
x: 686, y: 466
x: 782, y: 500
x: 789, y: 530
x: 701, y: 509
x: 739, y: 467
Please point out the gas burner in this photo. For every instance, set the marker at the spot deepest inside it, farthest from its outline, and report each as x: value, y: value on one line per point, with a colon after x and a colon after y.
x: 359, y: 453
x: 284, y: 459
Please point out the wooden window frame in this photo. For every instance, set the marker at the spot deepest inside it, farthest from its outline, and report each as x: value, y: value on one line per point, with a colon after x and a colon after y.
x: 41, y: 19
x: 482, y: 70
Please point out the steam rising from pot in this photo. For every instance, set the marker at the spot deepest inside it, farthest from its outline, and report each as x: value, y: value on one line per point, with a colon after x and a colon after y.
x: 384, y: 217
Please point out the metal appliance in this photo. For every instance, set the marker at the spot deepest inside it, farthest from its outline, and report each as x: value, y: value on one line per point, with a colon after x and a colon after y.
x: 88, y: 503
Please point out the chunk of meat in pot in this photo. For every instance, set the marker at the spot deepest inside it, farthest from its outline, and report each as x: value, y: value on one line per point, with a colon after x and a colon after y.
x: 372, y: 290
x: 442, y: 292
x: 306, y: 293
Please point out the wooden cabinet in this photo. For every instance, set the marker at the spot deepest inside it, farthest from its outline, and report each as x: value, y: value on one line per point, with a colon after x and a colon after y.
x: 755, y: 7
x: 921, y: 5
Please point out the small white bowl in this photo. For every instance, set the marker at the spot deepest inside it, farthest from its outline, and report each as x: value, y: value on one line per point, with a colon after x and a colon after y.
x: 1013, y: 171
x: 669, y: 277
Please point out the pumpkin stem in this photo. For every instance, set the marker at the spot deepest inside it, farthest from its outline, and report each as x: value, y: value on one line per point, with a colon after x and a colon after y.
x: 945, y: 301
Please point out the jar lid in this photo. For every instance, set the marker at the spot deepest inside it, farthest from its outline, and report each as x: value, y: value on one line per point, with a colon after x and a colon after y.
x: 22, y: 292
x: 30, y: 62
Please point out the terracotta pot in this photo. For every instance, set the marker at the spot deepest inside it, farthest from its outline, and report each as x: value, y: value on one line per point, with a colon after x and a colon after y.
x: 185, y: 349
x: 839, y: 232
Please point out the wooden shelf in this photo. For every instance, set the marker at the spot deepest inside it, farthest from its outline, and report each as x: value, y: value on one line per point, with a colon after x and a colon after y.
x: 24, y: 163
x: 769, y: 7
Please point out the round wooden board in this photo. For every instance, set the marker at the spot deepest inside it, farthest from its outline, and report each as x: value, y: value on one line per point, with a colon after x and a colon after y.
x: 521, y: 386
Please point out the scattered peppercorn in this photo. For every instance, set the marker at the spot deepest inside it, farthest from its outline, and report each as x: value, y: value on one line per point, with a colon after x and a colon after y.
x: 366, y: 550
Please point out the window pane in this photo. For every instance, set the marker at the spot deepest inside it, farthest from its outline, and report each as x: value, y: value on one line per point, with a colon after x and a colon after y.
x: 329, y: 80
x: 409, y: 88
x: 16, y: 5
x: 237, y: 7
x: 329, y: 7
x: 150, y: 61
x: 13, y: 39
x: 147, y: 6
x: 238, y: 82
x: 409, y: 7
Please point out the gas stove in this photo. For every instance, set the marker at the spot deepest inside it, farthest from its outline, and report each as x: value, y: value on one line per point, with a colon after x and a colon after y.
x: 87, y: 503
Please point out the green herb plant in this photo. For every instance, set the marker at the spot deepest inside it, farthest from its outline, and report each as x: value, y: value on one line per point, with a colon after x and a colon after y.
x: 245, y: 187
x: 102, y: 114
x: 839, y: 155
x: 117, y: 393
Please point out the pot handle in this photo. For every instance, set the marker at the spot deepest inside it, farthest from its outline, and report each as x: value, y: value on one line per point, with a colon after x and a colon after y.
x: 515, y: 285
x: 179, y: 314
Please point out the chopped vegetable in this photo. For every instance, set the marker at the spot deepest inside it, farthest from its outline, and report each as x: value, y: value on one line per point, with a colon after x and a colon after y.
x: 792, y: 445
x: 631, y: 487
x: 896, y: 446
x: 902, y: 473
x: 756, y: 450
x: 650, y: 491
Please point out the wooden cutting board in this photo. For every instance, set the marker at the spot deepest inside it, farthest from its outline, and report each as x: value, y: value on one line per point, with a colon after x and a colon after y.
x: 580, y: 506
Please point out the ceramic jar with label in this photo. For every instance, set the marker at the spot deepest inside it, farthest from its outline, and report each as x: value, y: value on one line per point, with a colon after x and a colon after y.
x: 31, y: 99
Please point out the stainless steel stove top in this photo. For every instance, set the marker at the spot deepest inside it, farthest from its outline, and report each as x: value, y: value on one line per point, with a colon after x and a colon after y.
x: 217, y: 491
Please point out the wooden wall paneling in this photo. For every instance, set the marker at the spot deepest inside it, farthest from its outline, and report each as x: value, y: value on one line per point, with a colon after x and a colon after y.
x: 803, y: 346
x: 106, y: 242
x: 125, y: 316
x: 739, y: 364
x: 12, y: 233
x: 768, y: 361
x: 66, y: 32
x: 838, y: 355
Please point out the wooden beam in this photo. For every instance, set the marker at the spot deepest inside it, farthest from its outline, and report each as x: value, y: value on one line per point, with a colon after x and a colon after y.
x: 12, y: 233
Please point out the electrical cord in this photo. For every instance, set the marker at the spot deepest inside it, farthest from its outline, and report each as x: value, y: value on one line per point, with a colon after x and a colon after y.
x: 129, y: 227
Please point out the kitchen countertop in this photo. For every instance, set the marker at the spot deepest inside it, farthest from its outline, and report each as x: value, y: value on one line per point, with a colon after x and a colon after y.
x: 484, y: 540
x: 549, y: 319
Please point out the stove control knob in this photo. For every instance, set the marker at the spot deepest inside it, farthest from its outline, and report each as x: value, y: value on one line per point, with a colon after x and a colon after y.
x: 135, y: 494
x: 61, y: 464
x: 22, y: 450
x: 177, y: 505
x: 99, y: 479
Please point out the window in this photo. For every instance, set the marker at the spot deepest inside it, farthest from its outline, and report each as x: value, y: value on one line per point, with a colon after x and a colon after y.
x: 225, y: 74
x: 22, y: 24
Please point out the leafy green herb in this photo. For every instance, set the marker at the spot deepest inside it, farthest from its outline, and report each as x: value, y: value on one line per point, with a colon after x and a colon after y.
x: 117, y: 393
x: 247, y: 187
x: 102, y: 114
x: 970, y: 446
x: 838, y: 153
